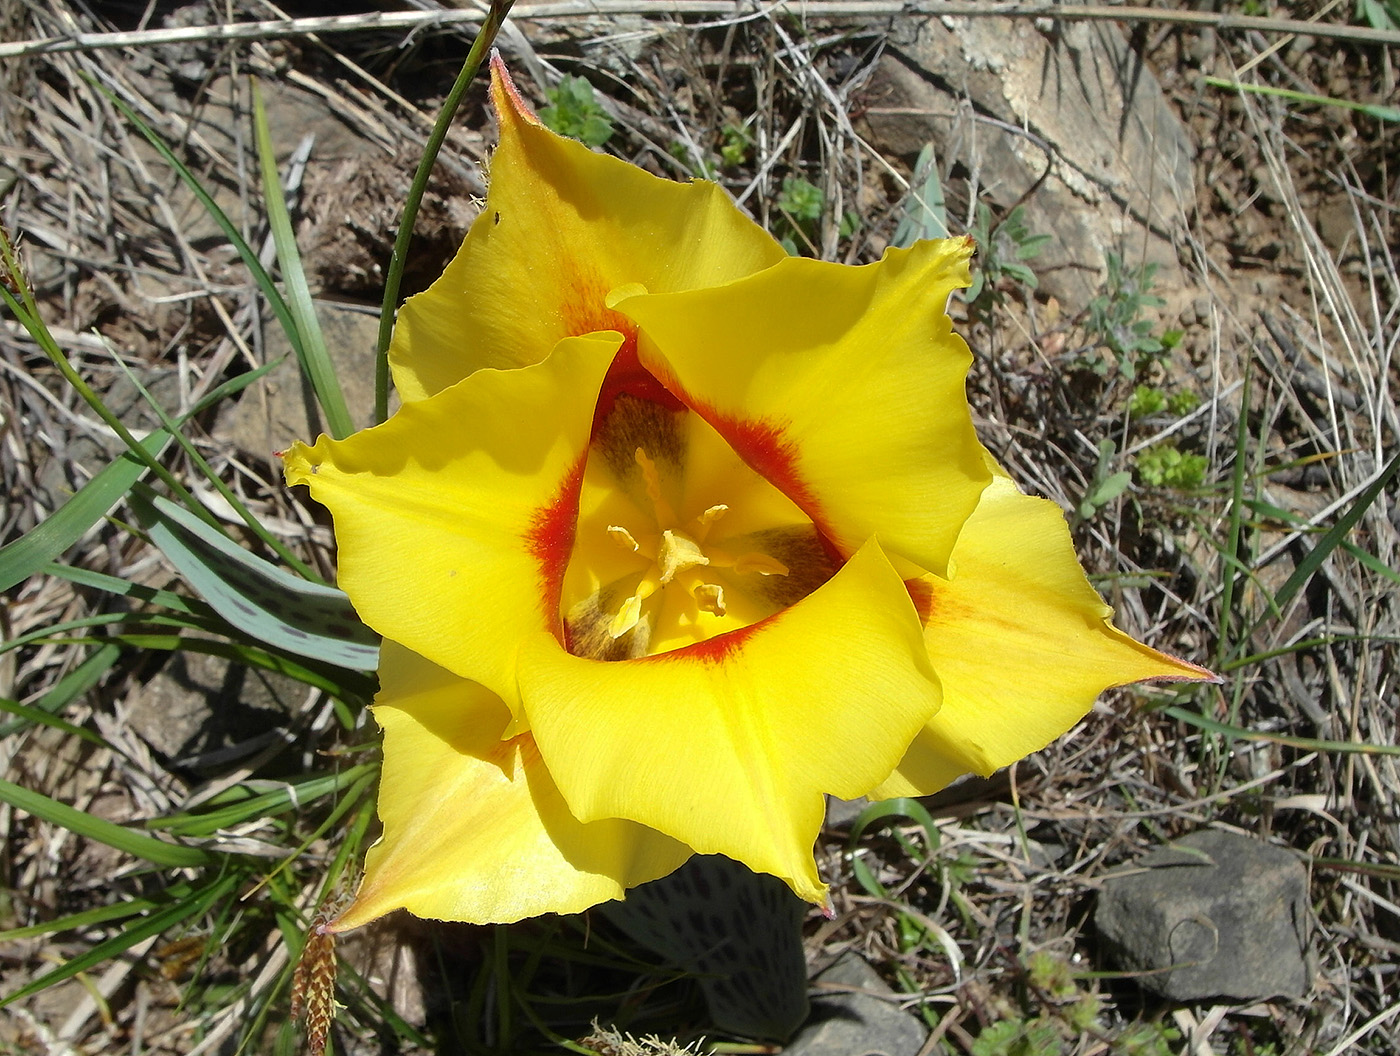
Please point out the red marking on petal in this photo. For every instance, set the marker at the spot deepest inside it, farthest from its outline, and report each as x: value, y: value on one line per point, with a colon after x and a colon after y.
x: 766, y: 451
x: 921, y: 594
x: 718, y: 649
x: 628, y: 376
x: 550, y: 540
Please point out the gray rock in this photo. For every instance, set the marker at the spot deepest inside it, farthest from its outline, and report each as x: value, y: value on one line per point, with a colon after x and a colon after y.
x: 280, y: 408
x: 842, y: 813
x: 853, y: 1015
x: 1213, y: 915
x: 1075, y: 106
x: 202, y: 712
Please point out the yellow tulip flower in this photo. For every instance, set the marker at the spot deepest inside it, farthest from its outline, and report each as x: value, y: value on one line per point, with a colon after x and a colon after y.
x: 674, y: 534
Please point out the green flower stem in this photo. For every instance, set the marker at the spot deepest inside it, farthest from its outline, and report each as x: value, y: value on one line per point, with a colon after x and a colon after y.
x: 489, y: 27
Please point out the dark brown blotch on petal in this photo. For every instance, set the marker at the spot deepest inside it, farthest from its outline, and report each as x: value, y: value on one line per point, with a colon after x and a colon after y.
x: 637, y: 423
x: 799, y: 547
x: 586, y: 629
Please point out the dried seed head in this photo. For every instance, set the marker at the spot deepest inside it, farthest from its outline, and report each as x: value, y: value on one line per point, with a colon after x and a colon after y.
x: 313, y: 982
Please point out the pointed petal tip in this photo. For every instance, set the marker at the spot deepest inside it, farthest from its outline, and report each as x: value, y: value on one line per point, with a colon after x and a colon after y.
x: 505, y: 97
x: 1185, y: 671
x: 353, y: 917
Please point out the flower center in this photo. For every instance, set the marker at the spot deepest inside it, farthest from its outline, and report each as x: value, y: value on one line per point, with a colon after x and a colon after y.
x: 678, y: 540
x: 673, y: 551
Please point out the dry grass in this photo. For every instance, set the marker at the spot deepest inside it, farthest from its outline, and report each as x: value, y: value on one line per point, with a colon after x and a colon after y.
x: 1294, y: 361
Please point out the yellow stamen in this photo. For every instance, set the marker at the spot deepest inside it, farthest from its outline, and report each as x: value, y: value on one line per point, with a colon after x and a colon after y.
x: 626, y: 617
x: 623, y: 538
x: 709, y: 597
x: 760, y: 563
x: 665, y: 516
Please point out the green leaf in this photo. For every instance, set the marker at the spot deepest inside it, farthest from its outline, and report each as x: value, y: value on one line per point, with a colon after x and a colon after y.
x: 157, y: 852
x: 1334, y: 535
x: 282, y: 798
x: 65, y: 526
x: 1312, y: 744
x: 97, y: 915
x: 263, y: 601
x: 245, y: 252
x: 29, y: 553
x: 311, y: 352
x: 71, y: 686
x: 893, y: 809
x: 925, y: 213
x: 1376, y: 110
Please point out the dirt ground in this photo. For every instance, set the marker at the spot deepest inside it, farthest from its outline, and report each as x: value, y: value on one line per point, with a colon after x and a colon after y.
x: 1280, y: 277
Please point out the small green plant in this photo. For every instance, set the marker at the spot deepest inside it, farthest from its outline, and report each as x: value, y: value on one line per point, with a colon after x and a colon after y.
x: 1019, y: 1037
x: 1003, y: 250
x: 1116, y: 318
x: 735, y: 144
x: 1183, y: 402
x: 699, y: 166
x: 1165, y: 466
x: 1148, y: 1039
x: 1104, y: 485
x: 573, y: 111
x: 1051, y: 975
x: 1146, y: 401
x: 801, y: 199
x: 800, y: 203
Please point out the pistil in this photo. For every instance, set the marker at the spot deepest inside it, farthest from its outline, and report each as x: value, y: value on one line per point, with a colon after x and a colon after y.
x: 675, y: 550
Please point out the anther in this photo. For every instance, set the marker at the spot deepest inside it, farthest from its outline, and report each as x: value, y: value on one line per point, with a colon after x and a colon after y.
x: 709, y: 597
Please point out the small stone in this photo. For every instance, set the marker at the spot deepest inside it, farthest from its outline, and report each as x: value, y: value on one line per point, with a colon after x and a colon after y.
x: 1213, y: 915
x: 852, y: 1015
x: 281, y: 408
x: 842, y: 813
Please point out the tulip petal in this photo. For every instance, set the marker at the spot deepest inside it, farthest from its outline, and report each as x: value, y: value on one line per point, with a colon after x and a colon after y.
x: 1021, y: 642
x: 729, y: 745
x: 455, y: 518
x: 843, y: 386
x: 474, y: 827
x: 562, y: 226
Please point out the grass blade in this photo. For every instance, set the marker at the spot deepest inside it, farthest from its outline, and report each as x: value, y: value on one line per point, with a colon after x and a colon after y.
x: 44, y: 542
x: 311, y: 351
x: 33, y: 550
x: 258, y: 598
x: 157, y: 852
x: 1333, y: 537
x: 70, y: 686
x: 1313, y: 744
x: 245, y: 252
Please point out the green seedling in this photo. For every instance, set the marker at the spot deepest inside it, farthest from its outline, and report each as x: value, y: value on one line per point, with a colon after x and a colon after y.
x: 735, y: 145
x: 800, y: 203
x: 1116, y: 319
x: 574, y: 111
x: 1165, y: 466
x: 1104, y: 485
x: 1003, y: 250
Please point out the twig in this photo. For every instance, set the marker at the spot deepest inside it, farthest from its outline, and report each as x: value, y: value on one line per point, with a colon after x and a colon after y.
x: 416, y: 20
